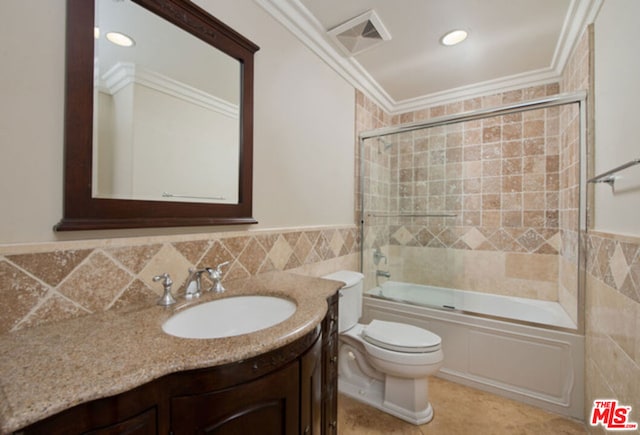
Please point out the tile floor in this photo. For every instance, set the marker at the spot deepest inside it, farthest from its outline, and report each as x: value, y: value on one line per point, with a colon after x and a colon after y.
x: 459, y: 410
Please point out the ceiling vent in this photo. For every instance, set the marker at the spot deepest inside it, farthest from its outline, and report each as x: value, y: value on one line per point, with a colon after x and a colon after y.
x: 360, y: 33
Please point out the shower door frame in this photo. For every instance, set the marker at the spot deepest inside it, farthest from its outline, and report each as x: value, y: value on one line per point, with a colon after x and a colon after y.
x: 579, y: 98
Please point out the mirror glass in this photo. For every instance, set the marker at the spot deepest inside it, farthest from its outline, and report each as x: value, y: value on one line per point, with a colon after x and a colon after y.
x: 159, y: 129
x: 166, y: 111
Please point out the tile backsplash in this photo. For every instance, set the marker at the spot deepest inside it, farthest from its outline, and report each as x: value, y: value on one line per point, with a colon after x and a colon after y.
x: 56, y: 281
x: 612, y: 358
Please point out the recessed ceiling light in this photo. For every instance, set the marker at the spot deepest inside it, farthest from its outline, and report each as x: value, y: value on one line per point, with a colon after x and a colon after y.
x: 120, y: 39
x: 454, y: 37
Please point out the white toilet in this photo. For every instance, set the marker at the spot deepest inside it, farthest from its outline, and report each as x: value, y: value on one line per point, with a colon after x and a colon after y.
x: 384, y: 364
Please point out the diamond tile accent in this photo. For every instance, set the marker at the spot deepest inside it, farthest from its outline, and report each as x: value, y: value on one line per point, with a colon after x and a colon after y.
x: 302, y: 248
x: 424, y: 236
x: 252, y: 257
x: 630, y: 251
x: 267, y: 266
x: 18, y: 295
x: 542, y: 241
x: 403, y: 236
x: 606, y: 250
x: 555, y: 241
x: 236, y: 271
x: 336, y: 243
x: 167, y: 260
x: 54, y: 306
x: 67, y: 283
x: 502, y: 240
x: 235, y: 245
x: 474, y: 238
x: 322, y: 247
x: 135, y: 258
x: 268, y: 240
x: 448, y: 237
x: 293, y: 263
x: 634, y: 275
x: 292, y: 237
x: 136, y: 294
x: 192, y: 250
x: 531, y: 240
x: 280, y: 253
x: 619, y: 267
x: 51, y: 267
x: 546, y: 248
x: 96, y: 283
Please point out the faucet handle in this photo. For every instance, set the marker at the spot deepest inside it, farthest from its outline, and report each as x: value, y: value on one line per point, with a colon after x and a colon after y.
x: 221, y: 265
x: 166, y: 299
x: 216, y: 277
x: 378, y: 255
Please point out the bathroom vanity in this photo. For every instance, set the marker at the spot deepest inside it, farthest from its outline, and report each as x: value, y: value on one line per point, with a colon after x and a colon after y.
x: 120, y: 373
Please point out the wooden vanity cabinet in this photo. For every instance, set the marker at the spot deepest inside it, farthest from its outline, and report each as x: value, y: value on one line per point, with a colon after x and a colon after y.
x: 291, y: 390
x: 267, y: 405
x: 330, y: 368
x: 135, y: 412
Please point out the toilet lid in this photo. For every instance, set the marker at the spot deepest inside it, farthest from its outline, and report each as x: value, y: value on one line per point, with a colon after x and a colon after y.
x: 400, y: 337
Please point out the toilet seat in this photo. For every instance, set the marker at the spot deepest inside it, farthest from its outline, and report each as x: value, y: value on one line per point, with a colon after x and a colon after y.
x: 400, y: 337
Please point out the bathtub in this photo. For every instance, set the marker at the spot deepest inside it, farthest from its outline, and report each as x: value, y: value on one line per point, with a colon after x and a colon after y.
x: 511, y: 308
x: 520, y: 348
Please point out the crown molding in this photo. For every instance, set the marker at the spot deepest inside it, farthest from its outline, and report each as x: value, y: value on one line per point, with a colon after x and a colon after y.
x: 125, y: 73
x: 298, y: 20
x: 294, y: 16
x: 581, y: 14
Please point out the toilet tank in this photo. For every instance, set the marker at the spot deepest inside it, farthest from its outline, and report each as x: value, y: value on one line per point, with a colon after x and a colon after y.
x: 350, y: 304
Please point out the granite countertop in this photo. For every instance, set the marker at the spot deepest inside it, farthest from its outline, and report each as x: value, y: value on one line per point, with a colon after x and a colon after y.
x: 47, y: 369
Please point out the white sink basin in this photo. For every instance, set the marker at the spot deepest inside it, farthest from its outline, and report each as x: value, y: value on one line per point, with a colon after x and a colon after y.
x: 229, y: 317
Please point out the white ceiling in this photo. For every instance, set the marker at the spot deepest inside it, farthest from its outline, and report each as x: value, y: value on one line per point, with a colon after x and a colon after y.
x: 511, y: 44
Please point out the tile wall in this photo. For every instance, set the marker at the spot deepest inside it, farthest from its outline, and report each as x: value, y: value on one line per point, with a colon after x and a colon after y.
x: 56, y: 281
x: 612, y: 360
x: 500, y: 177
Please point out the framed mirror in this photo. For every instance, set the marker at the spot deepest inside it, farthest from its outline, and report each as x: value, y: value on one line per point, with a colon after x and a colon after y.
x: 158, y: 117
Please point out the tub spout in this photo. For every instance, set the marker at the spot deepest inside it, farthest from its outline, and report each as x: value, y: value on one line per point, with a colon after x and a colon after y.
x: 383, y: 273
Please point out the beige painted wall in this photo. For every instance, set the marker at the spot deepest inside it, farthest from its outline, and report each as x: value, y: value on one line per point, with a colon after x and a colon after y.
x: 617, y: 90
x: 612, y: 359
x: 303, y: 135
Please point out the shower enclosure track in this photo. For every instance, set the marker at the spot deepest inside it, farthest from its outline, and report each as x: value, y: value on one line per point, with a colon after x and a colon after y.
x: 472, y: 115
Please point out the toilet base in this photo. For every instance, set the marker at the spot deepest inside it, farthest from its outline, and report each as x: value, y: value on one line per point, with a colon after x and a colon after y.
x: 372, y: 392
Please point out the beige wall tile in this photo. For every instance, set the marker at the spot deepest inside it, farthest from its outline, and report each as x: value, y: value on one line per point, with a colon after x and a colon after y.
x: 59, y: 281
x: 532, y: 267
x: 19, y: 294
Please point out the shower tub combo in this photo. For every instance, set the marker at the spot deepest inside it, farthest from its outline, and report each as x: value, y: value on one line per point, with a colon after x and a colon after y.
x: 520, y: 348
x: 530, y: 350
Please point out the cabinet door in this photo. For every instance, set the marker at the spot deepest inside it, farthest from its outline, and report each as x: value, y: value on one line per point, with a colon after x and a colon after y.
x: 143, y: 424
x: 311, y: 390
x: 265, y: 406
x: 121, y: 414
x: 330, y: 368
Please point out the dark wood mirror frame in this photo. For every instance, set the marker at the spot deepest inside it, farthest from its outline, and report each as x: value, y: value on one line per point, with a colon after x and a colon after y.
x: 81, y: 210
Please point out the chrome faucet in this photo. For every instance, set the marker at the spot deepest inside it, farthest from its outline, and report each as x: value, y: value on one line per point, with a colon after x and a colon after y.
x: 216, y: 277
x: 193, y: 288
x: 383, y: 273
x: 377, y: 256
